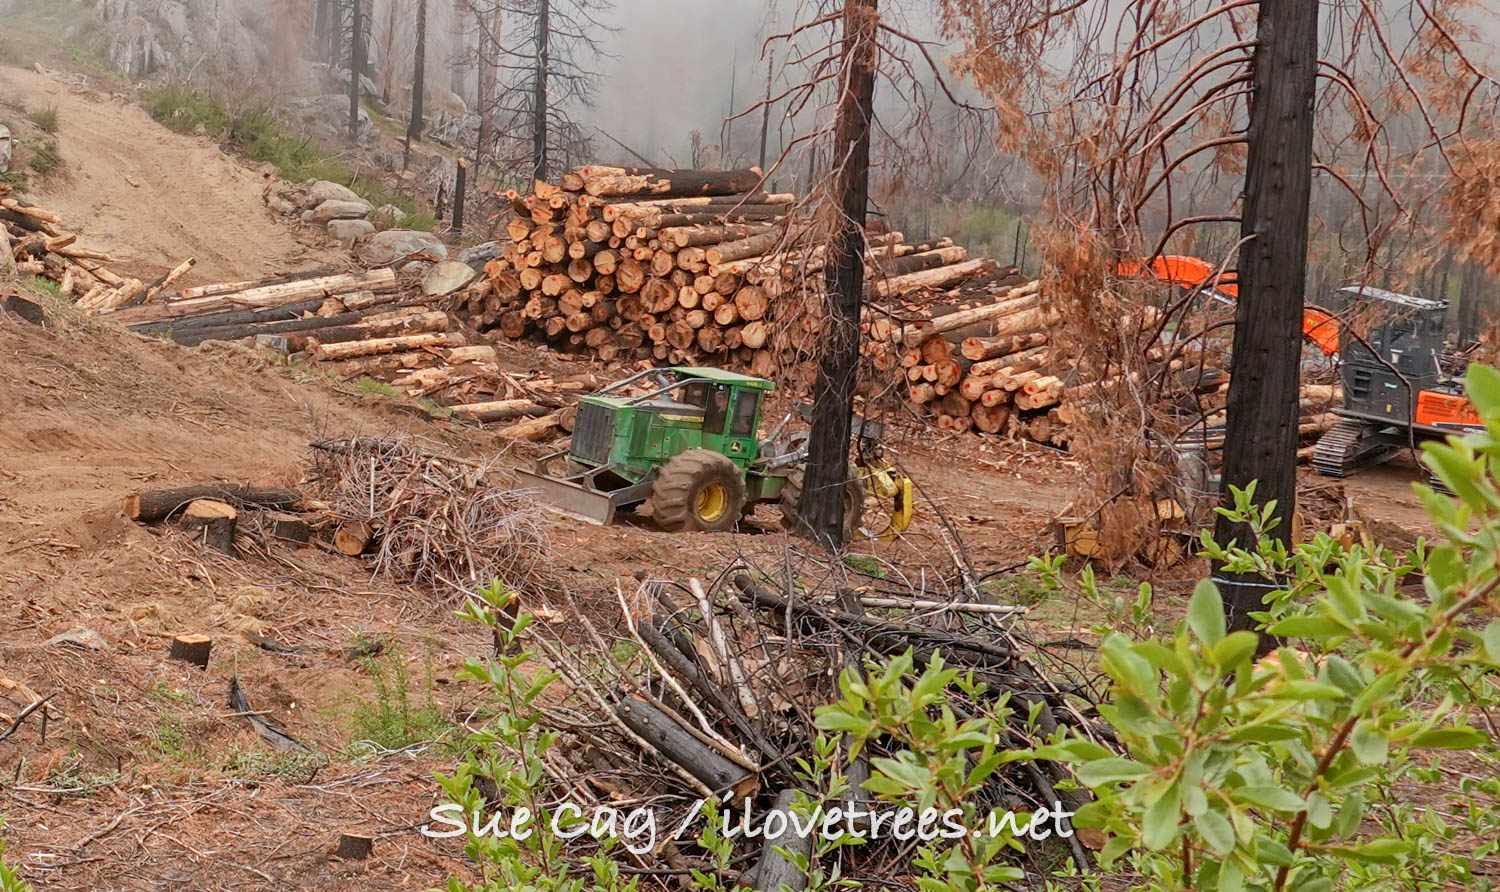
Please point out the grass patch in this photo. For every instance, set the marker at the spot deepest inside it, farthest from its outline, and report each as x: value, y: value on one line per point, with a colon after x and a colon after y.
x: 865, y: 564
x: 391, y: 720
x: 16, y: 179
x: 46, y: 286
x: 45, y: 158
x: 11, y: 54
x: 48, y: 118
x: 296, y: 158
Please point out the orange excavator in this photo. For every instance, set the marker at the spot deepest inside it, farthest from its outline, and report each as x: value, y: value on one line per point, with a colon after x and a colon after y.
x: 1400, y: 387
x: 1318, y: 325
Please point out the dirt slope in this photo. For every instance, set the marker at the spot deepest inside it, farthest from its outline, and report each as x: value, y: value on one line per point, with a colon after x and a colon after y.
x: 152, y: 197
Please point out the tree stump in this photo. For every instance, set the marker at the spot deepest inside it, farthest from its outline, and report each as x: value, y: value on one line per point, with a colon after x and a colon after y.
x: 191, y: 649
x: 353, y: 538
x: 214, y: 521
x: 354, y: 847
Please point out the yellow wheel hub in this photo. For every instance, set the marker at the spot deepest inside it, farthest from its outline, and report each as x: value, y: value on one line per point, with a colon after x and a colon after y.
x: 713, y: 501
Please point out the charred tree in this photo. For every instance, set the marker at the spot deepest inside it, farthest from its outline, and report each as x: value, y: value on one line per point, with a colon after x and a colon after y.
x: 539, y: 90
x: 1261, y: 430
x: 419, y: 76
x: 356, y: 66
x: 821, y: 511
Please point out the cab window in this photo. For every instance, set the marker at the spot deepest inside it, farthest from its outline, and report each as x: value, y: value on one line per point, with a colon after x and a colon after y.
x: 717, y: 412
x: 744, y: 414
x: 696, y: 394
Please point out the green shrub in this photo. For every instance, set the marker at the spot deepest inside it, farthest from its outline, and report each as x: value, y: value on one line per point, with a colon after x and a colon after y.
x: 10, y: 881
x: 391, y: 721
x: 48, y: 118
x: 45, y: 157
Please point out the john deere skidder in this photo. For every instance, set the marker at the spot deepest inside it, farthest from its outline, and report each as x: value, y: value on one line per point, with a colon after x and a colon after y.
x: 688, y: 444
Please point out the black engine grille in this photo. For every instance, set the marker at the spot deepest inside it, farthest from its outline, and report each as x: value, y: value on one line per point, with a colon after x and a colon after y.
x: 592, y: 432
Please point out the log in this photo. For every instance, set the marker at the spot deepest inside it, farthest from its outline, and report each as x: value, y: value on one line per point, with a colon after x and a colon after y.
x: 289, y: 527
x: 416, y: 323
x: 990, y: 419
x: 533, y: 430
x: 753, y: 246
x: 701, y: 236
x: 680, y: 746
x: 674, y: 183
x: 979, y: 349
x: 214, y: 522
x: 264, y: 297
x: 377, y: 346
x: 750, y: 303
x: 942, y: 277
x: 775, y: 870
x: 193, y: 649
x: 154, y: 506
x: 353, y: 537
x: 915, y: 263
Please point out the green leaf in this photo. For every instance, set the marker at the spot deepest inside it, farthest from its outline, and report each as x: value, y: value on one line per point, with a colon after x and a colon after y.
x: 1162, y: 821
x: 1483, y: 385
x: 1450, y: 739
x: 1317, y: 627
x: 1235, y: 649
x: 1268, y: 796
x: 1216, y: 831
x: 1492, y: 641
x: 1377, y: 851
x: 1369, y: 745
x: 1103, y: 772
x: 1205, y: 613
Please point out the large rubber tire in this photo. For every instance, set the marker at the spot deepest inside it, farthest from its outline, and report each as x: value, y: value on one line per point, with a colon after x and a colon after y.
x: 854, y: 504
x: 698, y: 490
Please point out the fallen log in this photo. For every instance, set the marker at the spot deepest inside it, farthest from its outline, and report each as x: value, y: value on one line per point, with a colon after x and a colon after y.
x: 154, y: 506
x: 680, y: 746
x: 378, y: 346
x: 263, y: 297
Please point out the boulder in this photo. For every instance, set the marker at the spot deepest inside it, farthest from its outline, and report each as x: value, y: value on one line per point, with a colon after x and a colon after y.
x: 281, y: 205
x: 333, y: 209
x: 7, y: 146
x: 319, y: 191
x: 396, y: 245
x: 349, y: 230
x: 447, y: 277
x: 479, y: 255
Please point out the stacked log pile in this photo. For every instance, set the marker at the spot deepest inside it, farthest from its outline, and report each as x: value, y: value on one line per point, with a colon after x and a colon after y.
x: 680, y: 267
x: 365, y: 325
x: 36, y: 242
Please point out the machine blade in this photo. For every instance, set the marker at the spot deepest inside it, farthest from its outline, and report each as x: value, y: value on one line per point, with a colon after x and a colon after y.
x: 571, y: 499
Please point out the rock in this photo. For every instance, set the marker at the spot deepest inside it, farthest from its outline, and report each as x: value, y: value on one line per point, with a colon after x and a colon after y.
x: 7, y: 146
x: 349, y: 230
x: 319, y: 191
x: 415, y: 268
x: 327, y: 116
x: 387, y: 216
x: 16, y: 306
x: 333, y: 209
x: 281, y: 205
x: 446, y: 278
x: 86, y: 638
x: 396, y: 245
x: 477, y: 256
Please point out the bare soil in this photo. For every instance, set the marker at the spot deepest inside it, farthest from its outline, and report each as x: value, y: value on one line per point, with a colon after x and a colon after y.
x: 152, y: 197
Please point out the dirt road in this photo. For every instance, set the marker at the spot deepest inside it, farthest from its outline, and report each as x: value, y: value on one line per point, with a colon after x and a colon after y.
x: 152, y: 197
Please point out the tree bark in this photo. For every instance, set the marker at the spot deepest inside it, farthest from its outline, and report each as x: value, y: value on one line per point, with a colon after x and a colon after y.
x: 419, y: 76
x: 356, y: 68
x: 821, y: 511
x: 1261, y: 432
x: 539, y: 100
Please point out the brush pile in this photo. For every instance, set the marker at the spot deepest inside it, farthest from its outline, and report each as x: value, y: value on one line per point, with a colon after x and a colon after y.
x: 713, y: 689
x: 679, y: 267
x: 428, y: 518
x: 34, y: 239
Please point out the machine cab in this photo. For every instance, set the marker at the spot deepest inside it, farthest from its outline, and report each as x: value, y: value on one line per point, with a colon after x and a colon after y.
x: 1398, y: 357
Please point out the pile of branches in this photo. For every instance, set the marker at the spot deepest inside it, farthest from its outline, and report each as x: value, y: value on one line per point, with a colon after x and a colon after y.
x: 432, y: 519
x: 712, y: 690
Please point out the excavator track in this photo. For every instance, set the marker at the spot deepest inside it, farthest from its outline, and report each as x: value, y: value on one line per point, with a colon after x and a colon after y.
x: 1348, y: 446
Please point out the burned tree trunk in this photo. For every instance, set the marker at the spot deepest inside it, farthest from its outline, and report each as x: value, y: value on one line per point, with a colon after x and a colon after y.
x: 356, y: 67
x: 821, y: 510
x: 1261, y: 431
x: 419, y: 76
x: 539, y: 90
